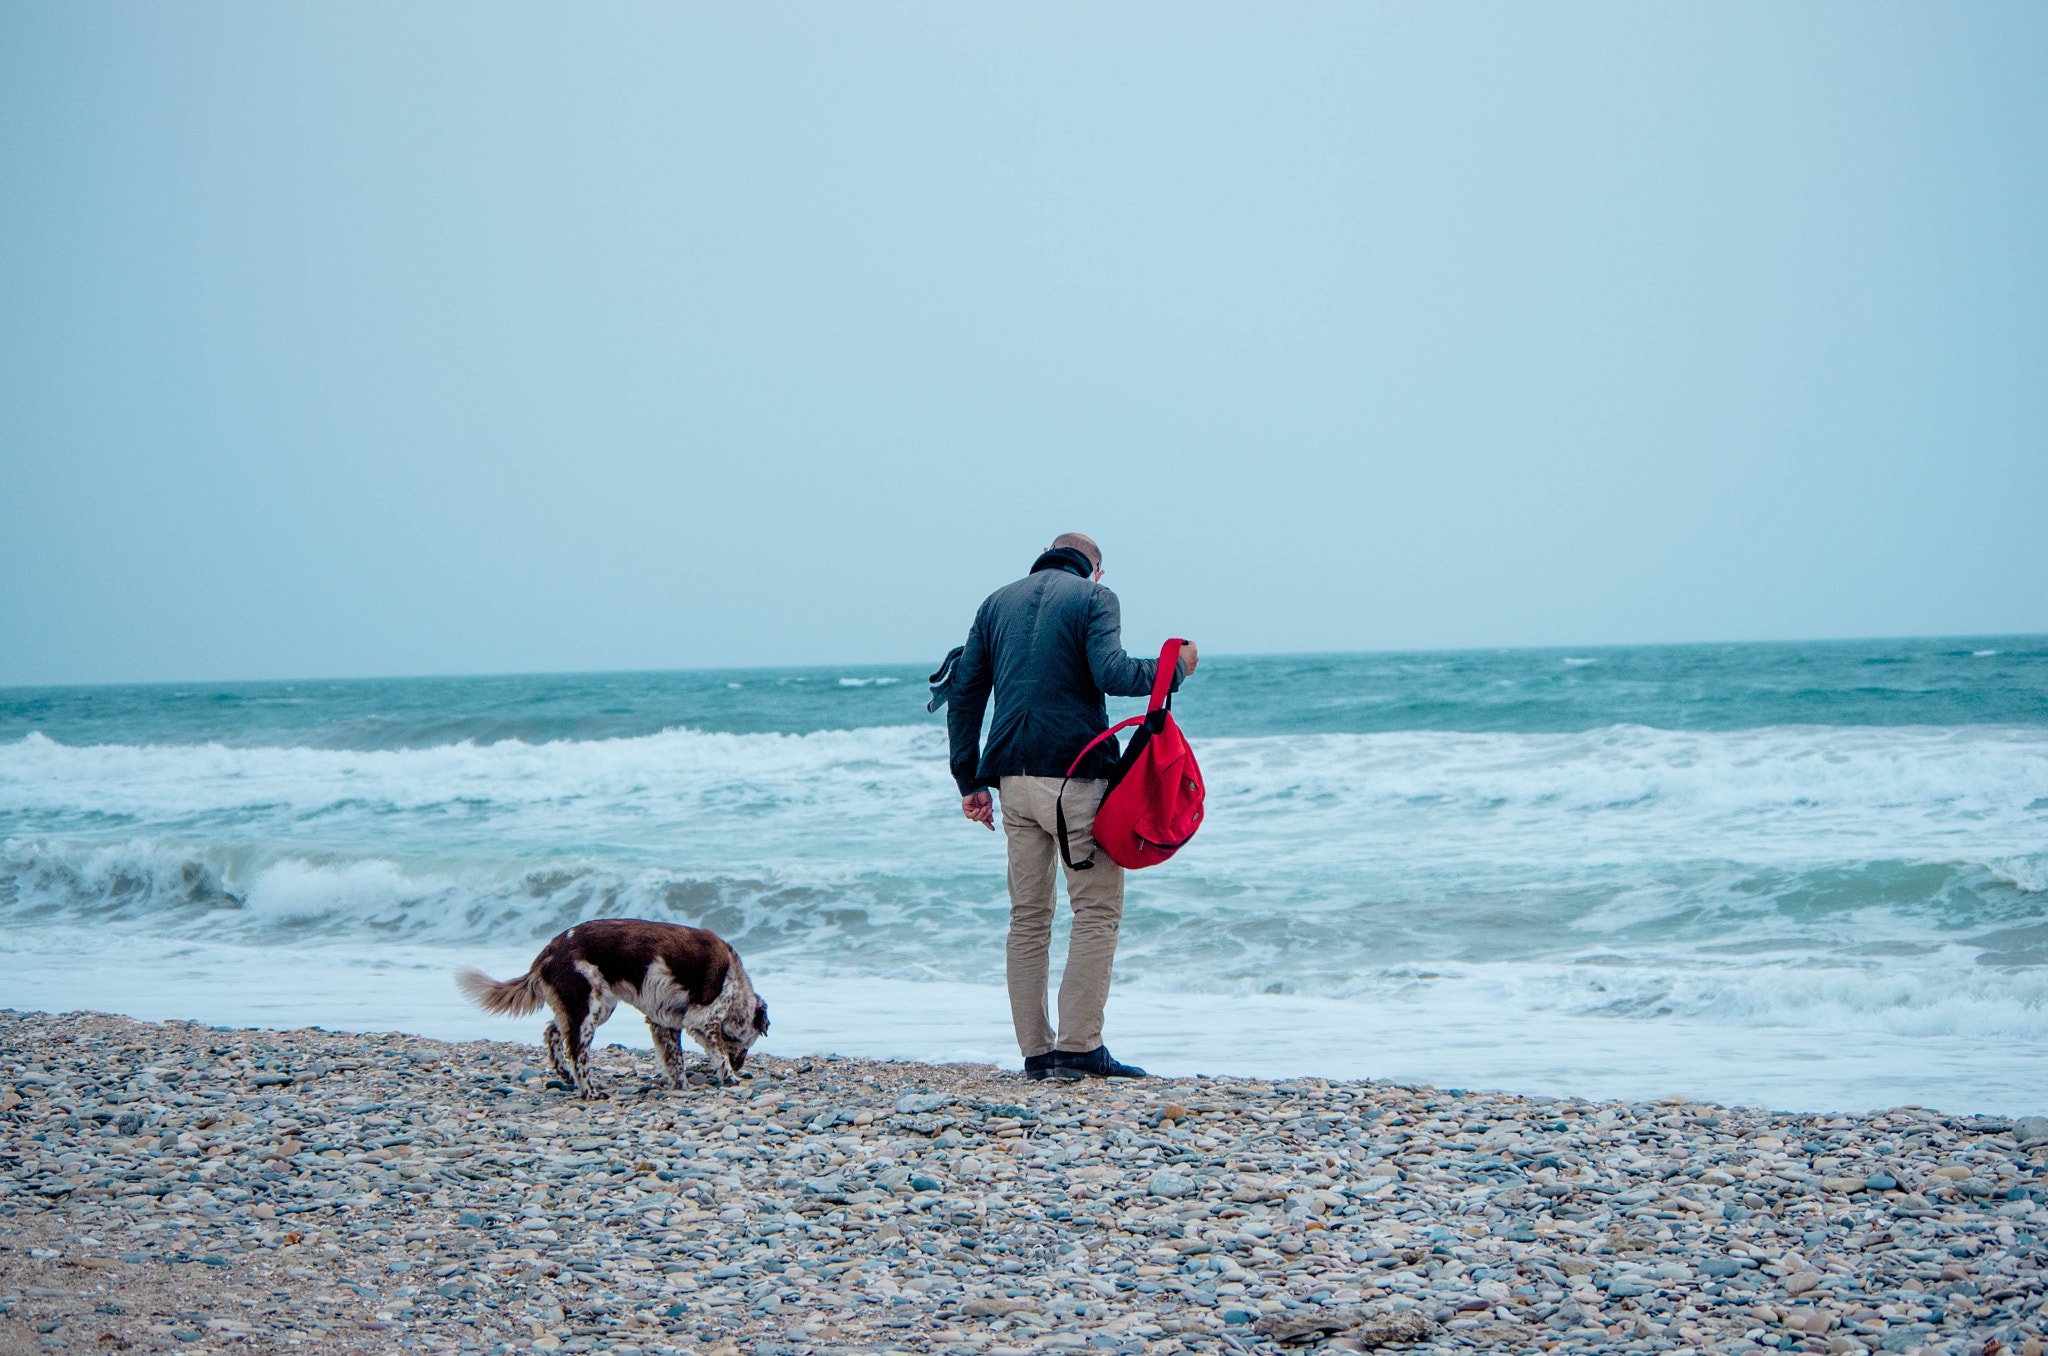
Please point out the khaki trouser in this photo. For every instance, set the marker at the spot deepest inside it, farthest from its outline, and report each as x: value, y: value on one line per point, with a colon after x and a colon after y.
x: 1095, y: 895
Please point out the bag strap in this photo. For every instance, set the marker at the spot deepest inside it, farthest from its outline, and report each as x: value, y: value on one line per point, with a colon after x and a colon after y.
x: 1074, y: 766
x: 1162, y: 680
x: 1059, y: 806
x: 1059, y: 814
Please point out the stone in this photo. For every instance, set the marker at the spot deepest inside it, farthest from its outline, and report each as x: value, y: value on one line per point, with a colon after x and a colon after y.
x: 1408, y: 1326
x: 993, y: 1307
x: 1300, y: 1326
x: 1171, y: 1185
x: 916, y: 1103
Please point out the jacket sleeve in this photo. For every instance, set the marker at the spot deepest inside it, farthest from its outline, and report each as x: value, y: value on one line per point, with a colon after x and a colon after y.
x: 1116, y: 673
x: 966, y: 701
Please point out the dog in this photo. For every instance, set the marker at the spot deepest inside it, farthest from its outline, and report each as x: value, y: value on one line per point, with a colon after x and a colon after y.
x: 683, y: 980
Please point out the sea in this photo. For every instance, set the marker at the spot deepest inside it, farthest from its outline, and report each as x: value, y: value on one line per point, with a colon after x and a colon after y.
x: 1804, y: 876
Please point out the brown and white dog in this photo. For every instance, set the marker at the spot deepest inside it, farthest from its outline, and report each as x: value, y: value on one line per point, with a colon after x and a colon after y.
x: 681, y: 979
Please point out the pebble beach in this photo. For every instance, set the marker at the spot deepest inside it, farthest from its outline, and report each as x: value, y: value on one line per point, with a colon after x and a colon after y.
x: 176, y: 1187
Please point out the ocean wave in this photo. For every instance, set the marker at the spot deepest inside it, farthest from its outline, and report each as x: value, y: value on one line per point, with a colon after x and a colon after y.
x: 154, y: 783
x: 1628, y: 766
x: 2025, y: 871
x: 1427, y: 958
x: 1962, y: 771
x: 1329, y: 864
x: 1672, y: 821
x: 1718, y: 926
x: 255, y: 894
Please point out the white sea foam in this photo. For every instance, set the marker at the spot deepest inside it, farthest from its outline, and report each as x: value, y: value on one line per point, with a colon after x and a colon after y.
x: 1922, y: 782
x: 295, y: 890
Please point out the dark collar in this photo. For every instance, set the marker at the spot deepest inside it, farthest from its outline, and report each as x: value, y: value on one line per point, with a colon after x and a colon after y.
x: 1064, y: 558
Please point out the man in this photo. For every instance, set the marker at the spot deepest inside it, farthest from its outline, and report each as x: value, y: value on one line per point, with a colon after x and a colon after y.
x: 1050, y: 647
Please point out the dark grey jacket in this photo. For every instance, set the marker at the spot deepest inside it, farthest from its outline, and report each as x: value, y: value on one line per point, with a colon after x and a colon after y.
x: 1049, y: 646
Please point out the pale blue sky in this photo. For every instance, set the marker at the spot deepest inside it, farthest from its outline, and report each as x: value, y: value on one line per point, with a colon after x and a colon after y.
x: 382, y: 339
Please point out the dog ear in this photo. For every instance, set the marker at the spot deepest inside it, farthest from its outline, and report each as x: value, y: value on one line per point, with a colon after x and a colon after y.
x: 760, y: 1017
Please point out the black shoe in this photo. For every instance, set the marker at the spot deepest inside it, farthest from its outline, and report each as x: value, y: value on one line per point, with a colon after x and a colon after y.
x: 1036, y: 1067
x: 1097, y: 1063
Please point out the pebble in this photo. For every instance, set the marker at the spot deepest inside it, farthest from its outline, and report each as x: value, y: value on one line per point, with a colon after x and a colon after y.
x: 175, y: 1187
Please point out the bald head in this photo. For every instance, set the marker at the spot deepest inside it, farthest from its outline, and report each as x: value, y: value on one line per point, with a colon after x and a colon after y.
x: 1085, y: 545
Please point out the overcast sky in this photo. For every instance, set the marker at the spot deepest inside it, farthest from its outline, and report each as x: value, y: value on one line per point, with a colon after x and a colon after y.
x: 368, y: 339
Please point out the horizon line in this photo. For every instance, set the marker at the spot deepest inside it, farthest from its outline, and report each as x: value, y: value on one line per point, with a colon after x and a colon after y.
x: 898, y: 664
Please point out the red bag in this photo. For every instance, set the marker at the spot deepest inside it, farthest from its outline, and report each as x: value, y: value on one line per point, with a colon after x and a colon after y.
x: 1154, y: 802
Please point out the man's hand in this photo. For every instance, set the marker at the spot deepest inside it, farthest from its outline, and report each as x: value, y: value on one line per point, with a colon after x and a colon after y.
x: 1189, y: 654
x: 981, y: 808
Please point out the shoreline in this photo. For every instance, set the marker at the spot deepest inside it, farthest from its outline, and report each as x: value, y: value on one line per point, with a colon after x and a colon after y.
x: 1454, y: 1036
x: 313, y: 1190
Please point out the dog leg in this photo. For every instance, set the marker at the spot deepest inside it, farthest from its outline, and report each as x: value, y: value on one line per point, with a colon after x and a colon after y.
x: 601, y: 1005
x: 553, y: 1040
x: 721, y: 1064
x: 669, y: 1050
x: 573, y: 1063
x: 579, y: 1056
x: 576, y: 1018
x: 702, y: 1025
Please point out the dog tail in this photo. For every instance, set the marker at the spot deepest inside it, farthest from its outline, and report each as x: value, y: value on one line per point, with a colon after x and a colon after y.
x: 511, y: 998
